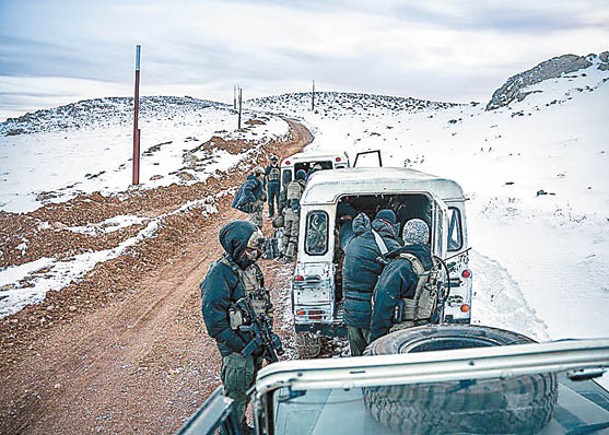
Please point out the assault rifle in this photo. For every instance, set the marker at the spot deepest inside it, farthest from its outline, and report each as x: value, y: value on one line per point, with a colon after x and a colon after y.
x: 259, y: 326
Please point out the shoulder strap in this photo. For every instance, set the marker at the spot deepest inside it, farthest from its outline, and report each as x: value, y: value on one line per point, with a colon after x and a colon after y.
x: 380, y: 243
x: 417, y: 266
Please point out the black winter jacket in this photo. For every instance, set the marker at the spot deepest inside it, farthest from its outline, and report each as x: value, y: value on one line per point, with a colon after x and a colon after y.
x: 361, y: 267
x: 249, y: 192
x: 397, y: 281
x: 221, y: 287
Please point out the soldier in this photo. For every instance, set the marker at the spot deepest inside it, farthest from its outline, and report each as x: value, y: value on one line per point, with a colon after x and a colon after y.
x: 273, y: 182
x: 291, y: 215
x: 231, y: 278
x: 405, y: 286
x: 251, y: 196
x: 362, y: 247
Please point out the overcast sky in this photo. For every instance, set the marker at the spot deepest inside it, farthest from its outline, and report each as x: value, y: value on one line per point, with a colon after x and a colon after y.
x: 54, y: 52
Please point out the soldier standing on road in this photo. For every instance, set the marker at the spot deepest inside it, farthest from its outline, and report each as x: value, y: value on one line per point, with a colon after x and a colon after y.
x: 251, y: 196
x: 291, y: 214
x: 400, y: 281
x: 228, y: 280
x: 273, y: 182
x: 362, y: 247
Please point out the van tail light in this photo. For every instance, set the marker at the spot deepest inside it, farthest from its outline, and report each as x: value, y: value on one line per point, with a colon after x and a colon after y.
x: 300, y: 312
x: 299, y: 278
x: 465, y: 308
x: 315, y: 314
x: 337, y: 159
x: 466, y: 273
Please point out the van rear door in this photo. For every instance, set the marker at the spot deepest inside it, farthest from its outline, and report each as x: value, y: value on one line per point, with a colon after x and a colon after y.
x: 367, y: 159
x: 439, y: 231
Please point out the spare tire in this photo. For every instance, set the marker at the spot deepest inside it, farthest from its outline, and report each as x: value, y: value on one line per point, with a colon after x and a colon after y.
x: 520, y: 404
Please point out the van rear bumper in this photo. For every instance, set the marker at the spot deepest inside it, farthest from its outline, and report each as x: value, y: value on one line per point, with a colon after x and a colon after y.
x: 334, y: 329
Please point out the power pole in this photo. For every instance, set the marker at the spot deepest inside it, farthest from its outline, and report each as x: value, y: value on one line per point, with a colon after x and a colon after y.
x: 313, y: 98
x: 235, y: 97
x: 240, y: 104
x: 136, y: 131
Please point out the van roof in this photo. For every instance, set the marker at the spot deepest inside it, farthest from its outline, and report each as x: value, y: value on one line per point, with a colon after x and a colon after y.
x: 325, y: 187
x: 308, y: 156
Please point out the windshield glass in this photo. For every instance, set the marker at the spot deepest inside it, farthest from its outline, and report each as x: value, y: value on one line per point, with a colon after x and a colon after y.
x: 545, y: 404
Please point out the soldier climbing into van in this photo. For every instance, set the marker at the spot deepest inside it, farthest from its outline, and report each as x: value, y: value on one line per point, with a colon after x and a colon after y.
x: 291, y: 215
x: 273, y: 183
x: 361, y: 269
x: 251, y: 196
x: 231, y: 279
x: 404, y: 295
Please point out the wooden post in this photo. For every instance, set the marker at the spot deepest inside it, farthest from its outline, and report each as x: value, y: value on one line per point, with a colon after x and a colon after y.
x: 313, y: 98
x: 136, y: 131
x: 240, y: 104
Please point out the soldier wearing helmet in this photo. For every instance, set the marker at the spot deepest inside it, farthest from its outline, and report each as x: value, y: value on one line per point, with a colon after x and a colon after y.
x: 291, y: 214
x: 234, y: 276
x: 273, y: 183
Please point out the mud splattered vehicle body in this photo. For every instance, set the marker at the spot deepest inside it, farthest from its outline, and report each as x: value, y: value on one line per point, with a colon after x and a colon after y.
x: 432, y: 379
x: 316, y: 283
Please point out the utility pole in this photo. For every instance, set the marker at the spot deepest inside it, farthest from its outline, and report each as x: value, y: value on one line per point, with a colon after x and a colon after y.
x: 136, y: 130
x: 240, y: 104
x: 235, y: 97
x: 313, y: 98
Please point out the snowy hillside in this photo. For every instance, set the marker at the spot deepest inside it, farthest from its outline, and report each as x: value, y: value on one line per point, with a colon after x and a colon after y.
x: 534, y: 170
x: 103, y: 112
x: 54, y: 155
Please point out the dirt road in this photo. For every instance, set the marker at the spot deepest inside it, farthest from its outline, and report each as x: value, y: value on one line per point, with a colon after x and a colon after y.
x: 125, y: 350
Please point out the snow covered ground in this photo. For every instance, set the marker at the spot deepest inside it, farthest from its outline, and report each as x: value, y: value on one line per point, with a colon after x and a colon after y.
x: 55, y: 164
x: 535, y: 173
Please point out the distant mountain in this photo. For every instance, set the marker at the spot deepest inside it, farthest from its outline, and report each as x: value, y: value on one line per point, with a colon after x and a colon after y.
x: 515, y: 88
x: 326, y: 102
x: 102, y: 112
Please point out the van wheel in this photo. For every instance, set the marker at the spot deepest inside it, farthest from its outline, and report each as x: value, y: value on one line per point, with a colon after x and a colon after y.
x: 308, y: 344
x: 520, y: 404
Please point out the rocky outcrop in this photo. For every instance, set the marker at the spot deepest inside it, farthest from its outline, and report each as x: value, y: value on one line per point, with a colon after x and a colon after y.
x: 515, y: 89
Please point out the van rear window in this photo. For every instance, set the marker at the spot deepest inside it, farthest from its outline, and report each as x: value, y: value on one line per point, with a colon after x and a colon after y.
x: 455, y: 233
x: 316, y: 236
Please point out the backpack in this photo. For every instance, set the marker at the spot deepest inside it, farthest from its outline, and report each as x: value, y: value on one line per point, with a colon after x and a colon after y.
x: 422, y: 308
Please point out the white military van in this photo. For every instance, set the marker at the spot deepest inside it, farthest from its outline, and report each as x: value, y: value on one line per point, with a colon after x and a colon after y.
x: 310, y: 162
x: 316, y: 284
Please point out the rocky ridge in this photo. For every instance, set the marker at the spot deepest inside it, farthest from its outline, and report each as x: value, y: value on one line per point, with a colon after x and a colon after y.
x: 515, y: 88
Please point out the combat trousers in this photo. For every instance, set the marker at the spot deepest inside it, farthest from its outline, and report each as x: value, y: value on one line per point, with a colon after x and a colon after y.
x: 238, y: 374
x: 291, y: 222
x: 273, y: 191
x: 358, y: 339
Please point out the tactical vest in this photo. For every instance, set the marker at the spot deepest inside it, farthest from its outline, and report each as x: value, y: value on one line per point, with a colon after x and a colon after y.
x: 252, y: 281
x: 294, y: 191
x: 420, y: 308
x: 274, y: 173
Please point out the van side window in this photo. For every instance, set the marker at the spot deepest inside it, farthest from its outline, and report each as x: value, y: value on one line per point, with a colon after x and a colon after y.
x: 316, y: 236
x: 455, y: 235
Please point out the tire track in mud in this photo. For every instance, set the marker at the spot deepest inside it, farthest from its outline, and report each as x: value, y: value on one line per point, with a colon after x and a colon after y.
x: 139, y: 363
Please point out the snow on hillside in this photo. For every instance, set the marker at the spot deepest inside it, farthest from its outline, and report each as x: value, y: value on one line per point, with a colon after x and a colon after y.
x: 54, y: 155
x: 534, y: 170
